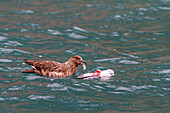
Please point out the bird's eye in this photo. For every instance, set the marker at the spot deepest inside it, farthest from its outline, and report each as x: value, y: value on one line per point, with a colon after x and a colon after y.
x: 77, y: 58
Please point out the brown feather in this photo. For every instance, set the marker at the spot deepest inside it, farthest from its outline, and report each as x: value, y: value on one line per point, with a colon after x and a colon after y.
x: 29, y: 71
x: 53, y: 68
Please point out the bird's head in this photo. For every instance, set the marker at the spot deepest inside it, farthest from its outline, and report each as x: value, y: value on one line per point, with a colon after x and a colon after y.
x: 78, y: 61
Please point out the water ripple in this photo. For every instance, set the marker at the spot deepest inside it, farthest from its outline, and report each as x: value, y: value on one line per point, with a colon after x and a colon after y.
x: 9, y: 99
x: 128, y: 62
x: 16, y: 88
x: 164, y: 8
x: 39, y: 97
x: 143, y: 87
x: 123, y: 89
x: 168, y: 89
x: 109, y: 59
x: 77, y: 89
x: 129, y: 36
x: 6, y: 51
x: 29, y: 77
x: 56, y: 86
x: 25, y: 12
x: 166, y: 71
x: 132, y: 56
x: 77, y: 36
x: 2, y: 38
x: 6, y: 60
x: 13, y: 43
x: 79, y: 29
x: 2, y: 99
x: 54, y: 32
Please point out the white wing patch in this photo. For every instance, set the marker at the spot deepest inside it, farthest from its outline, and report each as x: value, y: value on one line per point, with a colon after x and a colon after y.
x: 33, y: 67
x: 54, y: 74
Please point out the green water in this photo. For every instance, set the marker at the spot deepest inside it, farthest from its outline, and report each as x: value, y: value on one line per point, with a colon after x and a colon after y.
x: 129, y: 36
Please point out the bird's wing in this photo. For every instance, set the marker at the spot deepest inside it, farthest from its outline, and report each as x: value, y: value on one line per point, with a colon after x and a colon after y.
x: 46, y: 65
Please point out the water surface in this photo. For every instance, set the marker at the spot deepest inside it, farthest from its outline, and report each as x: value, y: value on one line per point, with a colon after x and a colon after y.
x: 129, y: 36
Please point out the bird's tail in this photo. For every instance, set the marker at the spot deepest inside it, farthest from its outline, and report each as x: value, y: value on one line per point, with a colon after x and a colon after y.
x: 25, y: 60
x: 29, y: 71
x: 29, y: 62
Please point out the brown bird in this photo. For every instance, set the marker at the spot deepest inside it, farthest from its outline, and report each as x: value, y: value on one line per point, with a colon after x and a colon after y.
x: 55, y: 69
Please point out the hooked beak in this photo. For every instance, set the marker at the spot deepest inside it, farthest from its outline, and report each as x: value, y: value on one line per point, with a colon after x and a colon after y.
x: 83, y: 63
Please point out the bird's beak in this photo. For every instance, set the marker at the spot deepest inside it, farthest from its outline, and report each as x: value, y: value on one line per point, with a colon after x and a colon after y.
x: 83, y: 63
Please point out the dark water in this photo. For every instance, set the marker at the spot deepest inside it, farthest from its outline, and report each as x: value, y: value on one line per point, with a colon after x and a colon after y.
x: 129, y: 36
